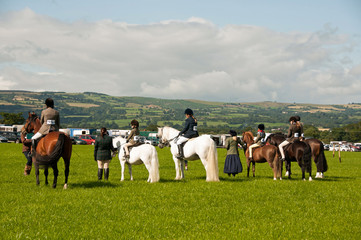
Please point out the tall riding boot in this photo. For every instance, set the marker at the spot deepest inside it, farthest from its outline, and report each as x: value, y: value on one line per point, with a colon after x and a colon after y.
x: 100, y: 173
x: 180, y: 151
x: 27, y: 170
x: 106, y: 174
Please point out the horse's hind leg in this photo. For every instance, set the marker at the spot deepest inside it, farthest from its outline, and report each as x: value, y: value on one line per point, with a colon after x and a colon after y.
x: 56, y: 173
x: 253, y: 168
x: 248, y: 166
x: 46, y: 173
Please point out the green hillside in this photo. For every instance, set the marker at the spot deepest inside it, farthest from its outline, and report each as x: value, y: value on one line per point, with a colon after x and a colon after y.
x: 94, y: 110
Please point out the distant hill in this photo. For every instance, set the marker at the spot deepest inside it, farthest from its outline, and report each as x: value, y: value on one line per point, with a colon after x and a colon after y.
x: 94, y: 110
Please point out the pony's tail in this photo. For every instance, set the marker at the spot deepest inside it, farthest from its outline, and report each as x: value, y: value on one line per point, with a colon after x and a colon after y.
x: 55, y: 155
x: 212, y: 163
x: 306, y: 158
x: 154, y: 166
x: 321, y: 161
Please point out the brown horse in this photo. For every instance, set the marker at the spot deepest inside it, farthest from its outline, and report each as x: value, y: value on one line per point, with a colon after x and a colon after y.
x: 298, y: 151
x: 49, y: 150
x: 267, y: 153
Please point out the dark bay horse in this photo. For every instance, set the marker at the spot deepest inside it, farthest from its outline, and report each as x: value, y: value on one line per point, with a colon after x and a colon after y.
x: 318, y: 156
x: 267, y: 153
x: 298, y: 151
x: 49, y: 150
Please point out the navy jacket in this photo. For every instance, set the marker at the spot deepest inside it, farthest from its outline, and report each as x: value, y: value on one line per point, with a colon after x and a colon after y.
x: 190, y: 128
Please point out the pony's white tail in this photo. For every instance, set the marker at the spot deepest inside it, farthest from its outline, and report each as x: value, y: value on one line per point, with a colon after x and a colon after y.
x: 212, y: 163
x: 154, y: 166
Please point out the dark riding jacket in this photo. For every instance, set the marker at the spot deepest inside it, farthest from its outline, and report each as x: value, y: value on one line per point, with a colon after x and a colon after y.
x: 260, y: 137
x: 294, y: 133
x: 103, y: 147
x: 190, y: 128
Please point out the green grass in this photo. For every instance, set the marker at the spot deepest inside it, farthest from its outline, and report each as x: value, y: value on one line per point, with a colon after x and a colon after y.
x: 240, y: 207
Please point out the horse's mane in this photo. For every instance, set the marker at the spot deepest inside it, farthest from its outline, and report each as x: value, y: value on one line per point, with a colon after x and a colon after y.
x: 249, y: 136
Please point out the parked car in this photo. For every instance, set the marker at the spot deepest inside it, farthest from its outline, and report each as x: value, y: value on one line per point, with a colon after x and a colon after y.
x: 355, y: 148
x: 3, y: 139
x: 89, y: 139
x: 326, y: 147
x: 334, y: 147
x: 151, y: 142
x: 76, y: 140
x: 11, y: 136
x: 345, y: 148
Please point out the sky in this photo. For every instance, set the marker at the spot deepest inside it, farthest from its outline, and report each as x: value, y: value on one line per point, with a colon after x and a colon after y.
x: 230, y: 51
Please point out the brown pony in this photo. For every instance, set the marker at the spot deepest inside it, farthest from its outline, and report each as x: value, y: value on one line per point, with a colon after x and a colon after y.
x: 267, y: 153
x: 49, y: 150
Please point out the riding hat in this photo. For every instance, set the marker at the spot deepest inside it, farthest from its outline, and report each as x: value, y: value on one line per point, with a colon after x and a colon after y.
x: 261, y: 126
x: 49, y: 102
x: 233, y: 133
x: 188, y: 111
x: 134, y: 122
x: 298, y: 118
x: 293, y: 119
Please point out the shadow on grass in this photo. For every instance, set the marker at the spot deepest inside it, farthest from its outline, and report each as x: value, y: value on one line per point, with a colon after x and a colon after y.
x: 93, y: 184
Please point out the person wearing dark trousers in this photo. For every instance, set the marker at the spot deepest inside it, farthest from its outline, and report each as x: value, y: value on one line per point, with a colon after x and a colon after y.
x: 26, y: 151
x: 103, y: 149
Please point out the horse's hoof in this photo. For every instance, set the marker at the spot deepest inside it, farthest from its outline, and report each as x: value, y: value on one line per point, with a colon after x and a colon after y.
x: 280, y: 179
x: 54, y: 186
x: 287, y: 174
x: 65, y: 186
x: 310, y: 179
x: 304, y: 179
x: 275, y: 179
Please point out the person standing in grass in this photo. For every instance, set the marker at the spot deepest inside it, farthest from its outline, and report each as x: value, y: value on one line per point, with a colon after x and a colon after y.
x: 26, y: 151
x: 102, y: 153
x: 233, y: 163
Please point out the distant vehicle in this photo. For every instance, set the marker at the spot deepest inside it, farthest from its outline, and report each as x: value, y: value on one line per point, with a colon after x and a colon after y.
x: 89, y: 139
x: 326, y: 147
x: 3, y: 139
x: 334, y: 147
x: 151, y: 142
x: 76, y: 140
x: 355, y: 148
x: 345, y: 148
x: 11, y: 136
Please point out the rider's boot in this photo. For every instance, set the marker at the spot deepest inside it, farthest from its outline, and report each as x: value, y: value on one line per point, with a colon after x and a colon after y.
x: 34, y: 143
x: 106, y: 174
x: 100, y: 173
x: 180, y: 151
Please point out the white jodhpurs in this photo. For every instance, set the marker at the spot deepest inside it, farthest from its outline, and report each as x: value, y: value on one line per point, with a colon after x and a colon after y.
x: 103, y: 163
x: 36, y: 136
x: 181, y: 140
x: 280, y: 147
x: 250, y: 148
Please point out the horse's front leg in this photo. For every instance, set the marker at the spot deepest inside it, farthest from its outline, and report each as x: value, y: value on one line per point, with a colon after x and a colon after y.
x: 177, y: 168
x: 36, y: 165
x: 248, y: 167
x: 66, y: 172
x: 182, y: 168
x: 122, y: 166
x: 56, y: 173
x: 253, y: 168
x: 46, y: 173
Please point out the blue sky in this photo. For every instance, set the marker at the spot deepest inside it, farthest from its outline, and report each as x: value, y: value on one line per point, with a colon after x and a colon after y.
x: 180, y: 49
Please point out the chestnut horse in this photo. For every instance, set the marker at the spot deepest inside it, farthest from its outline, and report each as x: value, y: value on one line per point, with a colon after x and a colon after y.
x: 267, y: 153
x: 49, y: 150
x: 298, y: 151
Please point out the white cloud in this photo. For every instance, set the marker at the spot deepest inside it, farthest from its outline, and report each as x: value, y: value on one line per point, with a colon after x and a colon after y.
x: 177, y: 59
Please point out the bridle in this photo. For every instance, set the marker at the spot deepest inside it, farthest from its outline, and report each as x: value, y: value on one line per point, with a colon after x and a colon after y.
x: 32, y: 118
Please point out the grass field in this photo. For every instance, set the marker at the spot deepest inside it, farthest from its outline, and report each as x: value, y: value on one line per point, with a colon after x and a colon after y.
x: 234, y: 208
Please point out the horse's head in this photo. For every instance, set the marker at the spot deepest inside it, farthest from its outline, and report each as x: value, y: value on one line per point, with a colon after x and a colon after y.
x: 118, y: 141
x: 32, y: 123
x: 166, y: 135
x: 248, y: 138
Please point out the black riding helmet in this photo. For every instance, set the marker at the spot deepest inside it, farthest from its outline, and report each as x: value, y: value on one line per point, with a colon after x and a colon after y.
x: 261, y: 126
x: 134, y: 122
x: 298, y: 118
x: 293, y: 118
x: 233, y: 133
x: 49, y: 102
x: 188, y: 111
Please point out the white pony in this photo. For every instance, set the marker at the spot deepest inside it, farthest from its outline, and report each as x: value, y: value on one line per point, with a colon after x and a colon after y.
x: 145, y: 153
x: 202, y: 147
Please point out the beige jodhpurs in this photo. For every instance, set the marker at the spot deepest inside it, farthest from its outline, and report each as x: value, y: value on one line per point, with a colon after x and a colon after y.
x: 280, y: 147
x: 250, y: 148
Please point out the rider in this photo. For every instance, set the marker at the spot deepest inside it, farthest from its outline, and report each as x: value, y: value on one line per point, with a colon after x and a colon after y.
x: 50, y: 120
x: 189, y: 131
x: 258, y: 141
x: 294, y: 132
x: 298, y: 121
x: 130, y: 139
